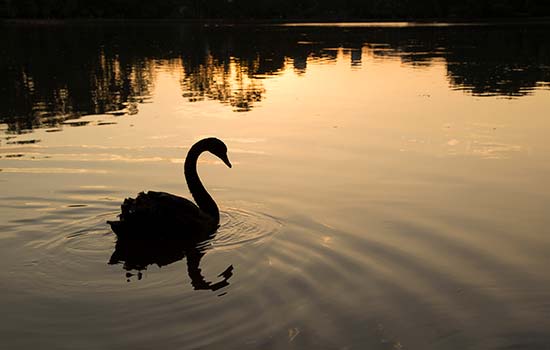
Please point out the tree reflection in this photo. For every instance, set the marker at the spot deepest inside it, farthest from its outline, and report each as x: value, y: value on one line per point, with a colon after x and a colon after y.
x: 53, y: 75
x: 231, y: 84
x: 58, y: 72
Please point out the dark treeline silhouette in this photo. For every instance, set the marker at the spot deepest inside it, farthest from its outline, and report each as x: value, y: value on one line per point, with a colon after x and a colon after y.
x: 270, y: 9
x: 52, y: 73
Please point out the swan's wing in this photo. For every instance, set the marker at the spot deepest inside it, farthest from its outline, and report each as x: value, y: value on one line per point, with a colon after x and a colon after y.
x: 168, y: 201
x: 162, y: 206
x: 159, y: 204
x: 161, y: 212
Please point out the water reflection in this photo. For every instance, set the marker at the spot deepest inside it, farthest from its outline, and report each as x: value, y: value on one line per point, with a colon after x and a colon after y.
x: 230, y: 83
x: 54, y: 73
x: 138, y: 254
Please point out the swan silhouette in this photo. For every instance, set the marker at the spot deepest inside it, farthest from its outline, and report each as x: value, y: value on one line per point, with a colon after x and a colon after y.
x: 163, y: 214
x: 159, y: 228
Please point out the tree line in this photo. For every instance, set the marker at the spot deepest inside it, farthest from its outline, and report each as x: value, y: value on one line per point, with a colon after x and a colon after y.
x: 273, y: 9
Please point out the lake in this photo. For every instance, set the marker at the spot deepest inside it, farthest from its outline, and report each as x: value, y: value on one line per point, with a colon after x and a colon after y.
x: 389, y: 187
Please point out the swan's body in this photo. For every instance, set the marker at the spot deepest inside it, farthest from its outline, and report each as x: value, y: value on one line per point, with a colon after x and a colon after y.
x: 161, y: 213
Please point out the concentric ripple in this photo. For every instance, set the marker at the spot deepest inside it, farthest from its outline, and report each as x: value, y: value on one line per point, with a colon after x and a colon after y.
x: 239, y: 227
x: 82, y: 246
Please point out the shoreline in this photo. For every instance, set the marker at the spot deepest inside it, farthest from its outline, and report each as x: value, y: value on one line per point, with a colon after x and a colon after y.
x: 295, y: 22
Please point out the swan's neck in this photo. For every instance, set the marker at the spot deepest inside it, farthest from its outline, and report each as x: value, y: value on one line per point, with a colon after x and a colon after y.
x: 201, y: 196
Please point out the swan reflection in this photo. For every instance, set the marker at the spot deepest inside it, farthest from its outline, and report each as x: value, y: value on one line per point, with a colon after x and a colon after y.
x: 138, y: 254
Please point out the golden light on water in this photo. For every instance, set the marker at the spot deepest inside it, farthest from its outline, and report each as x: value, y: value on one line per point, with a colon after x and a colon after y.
x: 389, y: 186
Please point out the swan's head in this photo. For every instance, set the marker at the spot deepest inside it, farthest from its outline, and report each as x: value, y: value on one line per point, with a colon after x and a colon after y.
x: 219, y: 149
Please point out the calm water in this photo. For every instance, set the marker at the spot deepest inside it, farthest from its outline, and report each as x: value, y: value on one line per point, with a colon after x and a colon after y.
x: 389, y: 188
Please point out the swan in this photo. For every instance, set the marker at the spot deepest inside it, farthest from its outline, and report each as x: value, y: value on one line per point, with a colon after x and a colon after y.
x: 159, y: 213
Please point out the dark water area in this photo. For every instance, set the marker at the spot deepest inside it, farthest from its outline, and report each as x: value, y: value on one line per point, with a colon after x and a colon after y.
x: 389, y: 187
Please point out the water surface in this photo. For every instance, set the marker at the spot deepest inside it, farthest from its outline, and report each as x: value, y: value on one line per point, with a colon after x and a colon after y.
x: 389, y: 187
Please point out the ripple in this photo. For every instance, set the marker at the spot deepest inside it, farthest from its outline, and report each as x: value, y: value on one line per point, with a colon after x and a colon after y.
x: 307, y: 278
x: 80, y: 242
x: 82, y: 247
x: 240, y: 227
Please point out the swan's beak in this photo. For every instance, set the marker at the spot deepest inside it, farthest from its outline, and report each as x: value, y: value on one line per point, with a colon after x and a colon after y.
x: 226, y: 160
